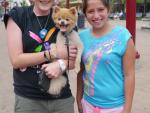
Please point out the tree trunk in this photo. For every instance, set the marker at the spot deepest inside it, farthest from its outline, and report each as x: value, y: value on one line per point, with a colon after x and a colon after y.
x: 67, y: 3
x: 145, y: 2
x: 120, y: 5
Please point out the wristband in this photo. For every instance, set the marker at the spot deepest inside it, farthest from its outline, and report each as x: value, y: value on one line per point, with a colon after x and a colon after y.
x: 62, y: 65
x: 45, y: 57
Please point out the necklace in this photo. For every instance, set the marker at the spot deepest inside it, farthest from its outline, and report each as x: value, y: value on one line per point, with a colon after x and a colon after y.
x: 43, y: 31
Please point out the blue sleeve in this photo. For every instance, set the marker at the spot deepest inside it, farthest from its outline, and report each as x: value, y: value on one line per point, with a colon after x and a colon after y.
x: 125, y: 37
x: 83, y: 34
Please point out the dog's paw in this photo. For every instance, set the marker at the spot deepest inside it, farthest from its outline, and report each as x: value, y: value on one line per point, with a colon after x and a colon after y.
x: 77, y: 69
x: 77, y: 66
x: 53, y: 46
x: 56, y: 85
x: 53, y: 50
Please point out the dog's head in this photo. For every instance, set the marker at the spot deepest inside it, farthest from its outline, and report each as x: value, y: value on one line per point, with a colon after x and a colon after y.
x: 65, y: 19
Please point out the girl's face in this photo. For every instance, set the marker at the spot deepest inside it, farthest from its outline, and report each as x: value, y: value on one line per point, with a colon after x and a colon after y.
x: 42, y: 6
x: 96, y: 13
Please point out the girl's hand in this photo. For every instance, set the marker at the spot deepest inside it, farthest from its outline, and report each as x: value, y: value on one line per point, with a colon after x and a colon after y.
x: 126, y: 111
x: 52, y: 70
x: 72, y: 52
x: 80, y: 110
x: 71, y: 64
x: 62, y: 52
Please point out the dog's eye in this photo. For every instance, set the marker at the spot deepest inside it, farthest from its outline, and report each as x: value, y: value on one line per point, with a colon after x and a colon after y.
x: 67, y: 19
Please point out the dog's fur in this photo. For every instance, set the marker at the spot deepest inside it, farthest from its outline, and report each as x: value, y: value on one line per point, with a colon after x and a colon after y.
x: 65, y: 19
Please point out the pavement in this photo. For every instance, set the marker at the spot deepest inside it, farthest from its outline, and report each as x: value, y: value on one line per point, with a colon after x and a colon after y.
x: 141, y: 103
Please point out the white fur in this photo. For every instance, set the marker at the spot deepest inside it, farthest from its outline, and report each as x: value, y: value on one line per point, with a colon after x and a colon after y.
x: 74, y: 39
x: 56, y: 85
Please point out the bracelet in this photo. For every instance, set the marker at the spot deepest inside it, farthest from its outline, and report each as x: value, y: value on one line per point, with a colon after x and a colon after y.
x: 45, y: 57
x: 62, y: 65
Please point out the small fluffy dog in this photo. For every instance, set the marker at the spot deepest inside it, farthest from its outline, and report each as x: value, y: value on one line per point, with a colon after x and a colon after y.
x: 65, y: 19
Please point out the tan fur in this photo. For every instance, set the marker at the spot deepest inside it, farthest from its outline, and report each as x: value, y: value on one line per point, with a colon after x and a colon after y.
x: 58, y: 15
x: 65, y: 13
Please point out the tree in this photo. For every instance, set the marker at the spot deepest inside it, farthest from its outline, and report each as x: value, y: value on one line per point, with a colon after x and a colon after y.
x: 23, y: 3
x: 144, y: 12
x: 31, y: 1
x: 5, y: 4
x: 67, y: 3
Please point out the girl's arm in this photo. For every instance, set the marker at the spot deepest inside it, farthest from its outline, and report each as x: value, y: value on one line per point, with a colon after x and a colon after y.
x: 129, y: 72
x: 15, y: 49
x: 80, y: 88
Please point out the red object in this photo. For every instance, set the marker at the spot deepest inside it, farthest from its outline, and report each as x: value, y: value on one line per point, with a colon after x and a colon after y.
x: 131, y: 20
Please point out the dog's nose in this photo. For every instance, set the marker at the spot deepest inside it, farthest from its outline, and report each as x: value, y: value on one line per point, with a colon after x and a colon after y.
x: 62, y: 23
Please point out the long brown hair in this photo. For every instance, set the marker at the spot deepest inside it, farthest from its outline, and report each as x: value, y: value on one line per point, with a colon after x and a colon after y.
x: 106, y: 3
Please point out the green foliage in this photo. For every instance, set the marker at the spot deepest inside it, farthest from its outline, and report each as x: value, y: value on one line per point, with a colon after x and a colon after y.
x: 139, y: 1
x: 73, y: 0
x: 62, y: 3
x: 124, y: 1
x: 1, y: 11
x: 24, y: 3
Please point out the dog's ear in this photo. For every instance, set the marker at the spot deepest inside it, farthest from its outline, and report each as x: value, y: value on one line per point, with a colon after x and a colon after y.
x: 56, y: 9
x: 73, y: 10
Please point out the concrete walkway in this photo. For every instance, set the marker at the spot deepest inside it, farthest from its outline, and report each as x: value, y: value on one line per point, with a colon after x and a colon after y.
x: 141, y: 102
